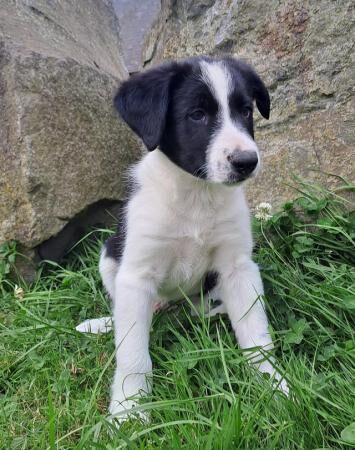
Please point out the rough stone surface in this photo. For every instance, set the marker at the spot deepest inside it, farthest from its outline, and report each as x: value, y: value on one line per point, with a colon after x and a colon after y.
x: 135, y: 19
x: 62, y: 146
x: 304, y: 51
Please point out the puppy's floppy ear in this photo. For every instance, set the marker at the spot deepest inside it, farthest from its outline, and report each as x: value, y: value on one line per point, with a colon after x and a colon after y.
x: 143, y: 100
x: 255, y: 85
x: 260, y: 93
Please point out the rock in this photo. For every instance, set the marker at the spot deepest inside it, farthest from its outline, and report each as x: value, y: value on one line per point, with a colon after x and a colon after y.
x: 135, y: 19
x: 62, y: 146
x: 304, y: 53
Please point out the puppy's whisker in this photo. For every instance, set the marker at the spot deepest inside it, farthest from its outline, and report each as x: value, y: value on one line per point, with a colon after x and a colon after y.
x: 201, y: 172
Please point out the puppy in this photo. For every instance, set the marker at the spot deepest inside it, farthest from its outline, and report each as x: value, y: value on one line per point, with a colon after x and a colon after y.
x: 187, y: 220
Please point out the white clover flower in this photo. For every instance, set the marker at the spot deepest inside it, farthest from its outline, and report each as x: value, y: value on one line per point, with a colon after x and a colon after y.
x: 262, y: 211
x: 18, y: 292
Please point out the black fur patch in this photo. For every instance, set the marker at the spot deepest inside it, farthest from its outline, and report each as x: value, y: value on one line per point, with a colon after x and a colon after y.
x: 115, y: 243
x: 186, y: 139
x: 143, y: 101
x: 211, y: 281
x: 248, y: 83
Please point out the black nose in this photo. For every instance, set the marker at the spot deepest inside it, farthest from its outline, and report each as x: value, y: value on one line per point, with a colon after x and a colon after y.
x: 244, y: 162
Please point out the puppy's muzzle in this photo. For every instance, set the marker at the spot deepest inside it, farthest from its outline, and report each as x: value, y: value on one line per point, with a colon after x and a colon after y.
x: 243, y: 163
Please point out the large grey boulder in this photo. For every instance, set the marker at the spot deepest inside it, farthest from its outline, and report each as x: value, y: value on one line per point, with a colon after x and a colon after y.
x: 304, y: 52
x: 62, y: 146
x: 136, y: 18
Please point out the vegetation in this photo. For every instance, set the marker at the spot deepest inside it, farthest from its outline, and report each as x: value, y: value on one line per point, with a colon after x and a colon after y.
x: 54, y: 382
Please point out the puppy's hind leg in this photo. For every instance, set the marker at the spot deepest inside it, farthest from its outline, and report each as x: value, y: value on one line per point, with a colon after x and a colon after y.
x: 211, y: 301
x: 108, y: 268
x: 211, y: 304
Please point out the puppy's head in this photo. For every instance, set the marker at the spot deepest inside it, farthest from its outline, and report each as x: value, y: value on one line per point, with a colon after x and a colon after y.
x: 199, y: 112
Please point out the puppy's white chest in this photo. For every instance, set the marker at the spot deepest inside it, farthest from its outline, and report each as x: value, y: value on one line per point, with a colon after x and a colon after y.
x: 192, y: 253
x: 190, y: 259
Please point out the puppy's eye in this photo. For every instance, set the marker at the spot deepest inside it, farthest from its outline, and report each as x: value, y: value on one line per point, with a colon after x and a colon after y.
x: 197, y: 115
x: 247, y: 112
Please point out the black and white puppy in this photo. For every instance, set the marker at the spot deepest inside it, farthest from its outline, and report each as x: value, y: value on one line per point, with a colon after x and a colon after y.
x: 188, y: 215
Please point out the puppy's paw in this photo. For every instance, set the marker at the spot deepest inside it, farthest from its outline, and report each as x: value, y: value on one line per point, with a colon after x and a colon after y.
x: 278, y: 381
x: 120, y: 412
x: 95, y: 326
x: 210, y: 306
x: 281, y: 384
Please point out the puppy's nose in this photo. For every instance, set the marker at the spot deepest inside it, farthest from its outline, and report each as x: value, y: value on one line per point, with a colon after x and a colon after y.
x: 244, y: 162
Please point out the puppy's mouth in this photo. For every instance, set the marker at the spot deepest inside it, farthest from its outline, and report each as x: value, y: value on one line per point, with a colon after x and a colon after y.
x: 237, y: 178
x: 232, y: 179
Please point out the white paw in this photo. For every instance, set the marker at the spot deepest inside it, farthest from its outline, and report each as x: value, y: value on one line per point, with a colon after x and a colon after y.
x: 125, y: 410
x: 281, y: 384
x: 276, y: 378
x: 220, y: 309
x: 95, y: 326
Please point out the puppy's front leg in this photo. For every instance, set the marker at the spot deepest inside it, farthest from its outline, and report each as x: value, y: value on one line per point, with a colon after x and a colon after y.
x: 133, y: 309
x: 241, y: 289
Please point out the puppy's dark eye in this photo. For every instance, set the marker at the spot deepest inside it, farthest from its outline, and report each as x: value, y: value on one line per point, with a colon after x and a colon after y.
x: 197, y: 115
x: 247, y: 112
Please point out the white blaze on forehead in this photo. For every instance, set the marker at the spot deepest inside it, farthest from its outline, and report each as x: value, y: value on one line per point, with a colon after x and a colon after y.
x: 217, y: 76
x: 230, y: 136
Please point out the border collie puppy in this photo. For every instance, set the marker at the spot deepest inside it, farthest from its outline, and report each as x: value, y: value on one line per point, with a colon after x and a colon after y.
x: 187, y: 216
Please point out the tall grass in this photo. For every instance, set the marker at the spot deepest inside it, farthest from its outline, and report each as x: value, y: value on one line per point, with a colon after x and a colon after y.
x: 54, y: 382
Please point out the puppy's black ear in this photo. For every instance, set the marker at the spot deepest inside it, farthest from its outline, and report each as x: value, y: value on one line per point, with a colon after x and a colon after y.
x: 143, y: 100
x: 255, y: 85
x: 261, y: 94
x: 259, y: 91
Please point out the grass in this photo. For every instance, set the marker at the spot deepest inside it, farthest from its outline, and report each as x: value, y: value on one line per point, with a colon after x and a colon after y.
x: 54, y: 382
